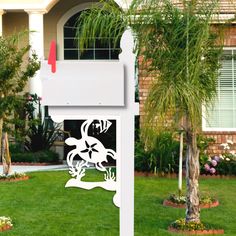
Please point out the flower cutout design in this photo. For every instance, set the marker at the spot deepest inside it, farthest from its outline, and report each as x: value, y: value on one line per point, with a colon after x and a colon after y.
x: 90, y: 149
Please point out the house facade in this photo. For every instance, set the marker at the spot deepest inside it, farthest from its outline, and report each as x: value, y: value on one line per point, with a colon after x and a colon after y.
x: 55, y: 20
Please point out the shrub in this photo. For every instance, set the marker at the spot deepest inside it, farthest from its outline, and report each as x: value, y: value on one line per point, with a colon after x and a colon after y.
x: 161, y: 158
x: 47, y: 156
x: 42, y: 132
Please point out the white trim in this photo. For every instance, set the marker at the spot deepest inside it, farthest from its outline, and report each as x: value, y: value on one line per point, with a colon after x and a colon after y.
x: 1, y: 14
x: 61, y: 23
x: 219, y: 130
x: 222, y: 18
x: 45, y: 5
x: 228, y: 48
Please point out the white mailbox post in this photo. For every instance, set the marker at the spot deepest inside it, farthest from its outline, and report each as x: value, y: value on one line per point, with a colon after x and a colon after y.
x: 101, y: 91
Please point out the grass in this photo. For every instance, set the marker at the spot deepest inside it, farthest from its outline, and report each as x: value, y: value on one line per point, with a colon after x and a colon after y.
x: 42, y: 206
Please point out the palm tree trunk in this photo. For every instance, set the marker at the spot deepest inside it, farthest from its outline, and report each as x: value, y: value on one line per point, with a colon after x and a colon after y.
x: 192, y: 175
x: 5, y: 153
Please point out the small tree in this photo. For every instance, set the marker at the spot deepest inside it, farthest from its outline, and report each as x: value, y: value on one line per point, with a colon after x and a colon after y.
x: 180, y: 50
x: 14, y: 74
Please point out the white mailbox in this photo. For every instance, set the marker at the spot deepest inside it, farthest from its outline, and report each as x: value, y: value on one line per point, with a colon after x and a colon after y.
x: 83, y: 83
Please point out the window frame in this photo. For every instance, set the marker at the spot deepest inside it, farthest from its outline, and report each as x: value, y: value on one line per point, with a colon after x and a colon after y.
x: 204, y: 120
x: 60, y: 33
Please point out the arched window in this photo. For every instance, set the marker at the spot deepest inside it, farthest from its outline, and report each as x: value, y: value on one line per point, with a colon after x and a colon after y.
x: 96, y: 51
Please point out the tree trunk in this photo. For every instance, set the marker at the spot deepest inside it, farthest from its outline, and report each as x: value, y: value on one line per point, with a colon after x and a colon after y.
x: 5, y: 153
x: 192, y: 175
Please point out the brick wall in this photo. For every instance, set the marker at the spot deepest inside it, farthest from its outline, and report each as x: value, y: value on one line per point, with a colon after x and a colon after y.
x: 145, y: 82
x: 230, y: 36
x: 221, y: 137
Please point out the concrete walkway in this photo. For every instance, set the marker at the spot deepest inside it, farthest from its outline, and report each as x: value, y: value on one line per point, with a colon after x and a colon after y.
x: 20, y: 168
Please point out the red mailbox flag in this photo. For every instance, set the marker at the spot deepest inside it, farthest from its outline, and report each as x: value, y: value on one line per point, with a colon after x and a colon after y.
x: 52, y: 56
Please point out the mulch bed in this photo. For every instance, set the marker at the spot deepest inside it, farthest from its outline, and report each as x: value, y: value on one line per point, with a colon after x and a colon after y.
x: 5, y: 227
x: 15, y: 179
x: 197, y: 232
x: 174, y: 176
x: 176, y: 205
x: 139, y: 173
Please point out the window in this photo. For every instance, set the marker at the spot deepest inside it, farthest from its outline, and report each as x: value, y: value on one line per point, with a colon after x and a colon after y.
x: 96, y: 51
x: 222, y: 114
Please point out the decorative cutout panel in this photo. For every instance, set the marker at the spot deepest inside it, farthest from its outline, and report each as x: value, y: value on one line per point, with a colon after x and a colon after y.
x: 95, y: 146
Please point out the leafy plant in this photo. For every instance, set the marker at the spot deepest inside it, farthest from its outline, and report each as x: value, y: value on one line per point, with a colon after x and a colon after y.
x: 41, y: 133
x: 204, y: 199
x: 160, y: 158
x: 177, y: 199
x: 181, y: 224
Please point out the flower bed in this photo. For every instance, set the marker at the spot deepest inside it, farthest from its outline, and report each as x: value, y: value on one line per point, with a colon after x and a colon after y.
x: 5, y: 223
x: 192, y: 228
x: 183, y: 205
x: 14, y: 177
x: 197, y: 232
x: 180, y: 202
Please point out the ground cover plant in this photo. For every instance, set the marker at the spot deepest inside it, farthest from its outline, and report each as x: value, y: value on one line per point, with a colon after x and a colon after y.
x: 42, y: 204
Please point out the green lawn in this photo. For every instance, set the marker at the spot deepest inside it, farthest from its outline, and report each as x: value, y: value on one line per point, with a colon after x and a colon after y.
x: 42, y: 206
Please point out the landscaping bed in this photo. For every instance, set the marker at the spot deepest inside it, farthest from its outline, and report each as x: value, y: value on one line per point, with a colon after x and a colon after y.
x: 197, y: 232
x: 192, y: 228
x: 14, y: 177
x: 169, y: 203
x: 175, y: 176
x: 5, y: 223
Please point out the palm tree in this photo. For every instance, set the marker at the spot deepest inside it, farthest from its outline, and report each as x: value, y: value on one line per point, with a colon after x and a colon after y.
x: 178, y: 46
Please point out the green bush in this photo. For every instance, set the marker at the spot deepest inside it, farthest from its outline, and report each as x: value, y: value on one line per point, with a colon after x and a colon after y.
x: 36, y: 157
x: 162, y: 158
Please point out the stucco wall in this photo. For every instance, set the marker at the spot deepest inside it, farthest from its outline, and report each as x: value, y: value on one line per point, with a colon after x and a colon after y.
x: 15, y: 22
x: 22, y: 1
